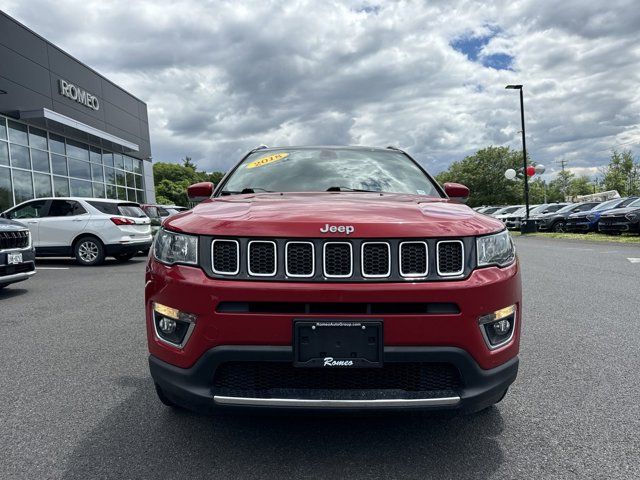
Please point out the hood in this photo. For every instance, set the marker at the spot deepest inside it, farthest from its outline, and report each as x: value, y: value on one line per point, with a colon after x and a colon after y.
x: 372, y: 215
x: 7, y: 225
x: 619, y: 211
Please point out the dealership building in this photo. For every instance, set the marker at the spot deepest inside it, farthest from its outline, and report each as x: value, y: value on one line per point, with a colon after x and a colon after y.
x: 65, y: 130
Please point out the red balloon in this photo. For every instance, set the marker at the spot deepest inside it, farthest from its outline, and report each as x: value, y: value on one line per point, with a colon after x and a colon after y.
x: 531, y: 171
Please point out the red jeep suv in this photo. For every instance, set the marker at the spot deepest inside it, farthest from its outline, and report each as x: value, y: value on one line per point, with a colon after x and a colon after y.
x: 332, y: 278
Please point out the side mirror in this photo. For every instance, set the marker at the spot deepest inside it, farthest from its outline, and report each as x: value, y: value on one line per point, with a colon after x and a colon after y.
x: 200, y: 191
x: 456, y: 192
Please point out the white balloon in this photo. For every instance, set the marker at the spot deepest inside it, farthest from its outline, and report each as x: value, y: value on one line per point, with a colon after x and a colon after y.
x: 510, y: 174
x: 540, y: 169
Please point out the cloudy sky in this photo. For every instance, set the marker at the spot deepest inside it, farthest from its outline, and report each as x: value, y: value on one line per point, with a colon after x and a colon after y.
x: 221, y: 77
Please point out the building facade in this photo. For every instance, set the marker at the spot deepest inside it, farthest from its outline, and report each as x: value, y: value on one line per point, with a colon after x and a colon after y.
x: 65, y: 130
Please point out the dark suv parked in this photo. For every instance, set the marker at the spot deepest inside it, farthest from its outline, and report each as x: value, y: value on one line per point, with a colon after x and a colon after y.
x: 621, y: 220
x: 588, y: 221
x: 17, y: 259
x: 556, y: 221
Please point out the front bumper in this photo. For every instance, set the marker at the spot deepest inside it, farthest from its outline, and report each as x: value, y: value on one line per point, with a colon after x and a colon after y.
x: 20, y: 272
x: 130, y: 247
x: 618, y: 226
x: 194, y: 387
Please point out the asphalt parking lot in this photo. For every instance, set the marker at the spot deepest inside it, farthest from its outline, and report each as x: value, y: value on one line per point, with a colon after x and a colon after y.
x: 77, y: 401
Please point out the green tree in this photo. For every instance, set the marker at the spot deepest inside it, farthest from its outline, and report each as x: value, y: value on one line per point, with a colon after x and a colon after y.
x: 581, y: 186
x: 622, y: 173
x: 483, y: 173
x: 172, y: 180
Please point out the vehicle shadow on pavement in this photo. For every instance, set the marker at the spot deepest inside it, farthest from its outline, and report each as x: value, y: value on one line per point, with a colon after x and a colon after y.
x: 141, y: 438
x: 11, y: 291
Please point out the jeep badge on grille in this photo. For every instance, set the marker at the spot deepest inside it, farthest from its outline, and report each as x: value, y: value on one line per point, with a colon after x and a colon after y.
x: 338, y: 229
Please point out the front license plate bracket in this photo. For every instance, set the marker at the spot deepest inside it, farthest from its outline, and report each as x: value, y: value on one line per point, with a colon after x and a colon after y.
x: 338, y: 343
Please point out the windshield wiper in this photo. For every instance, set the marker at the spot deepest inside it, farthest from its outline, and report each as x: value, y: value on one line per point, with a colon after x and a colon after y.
x: 349, y: 189
x: 244, y: 190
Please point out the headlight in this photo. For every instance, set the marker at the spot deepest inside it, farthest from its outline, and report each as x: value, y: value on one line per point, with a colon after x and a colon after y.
x: 171, y: 247
x: 632, y: 217
x: 495, y: 249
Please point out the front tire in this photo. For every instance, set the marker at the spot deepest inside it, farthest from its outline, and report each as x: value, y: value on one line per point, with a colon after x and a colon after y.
x: 124, y: 257
x: 89, y: 251
x: 559, y: 227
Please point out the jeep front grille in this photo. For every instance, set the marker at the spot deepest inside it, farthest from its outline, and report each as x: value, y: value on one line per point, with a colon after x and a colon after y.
x: 10, y: 240
x: 332, y: 260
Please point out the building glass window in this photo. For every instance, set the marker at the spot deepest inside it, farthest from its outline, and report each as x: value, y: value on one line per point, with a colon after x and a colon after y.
x: 22, y: 186
x: 98, y: 190
x: 40, y: 160
x: 59, y: 164
x: 56, y: 144
x: 112, y: 192
x: 79, y: 169
x: 37, y: 138
x: 80, y: 188
x: 118, y: 161
x: 96, y: 173
x: 4, y: 153
x: 20, y: 156
x: 77, y: 150
x: 95, y: 155
x: 42, y: 185
x: 18, y: 133
x: 107, y: 158
x: 61, y: 186
x: 110, y: 175
x: 35, y: 163
x: 6, y: 193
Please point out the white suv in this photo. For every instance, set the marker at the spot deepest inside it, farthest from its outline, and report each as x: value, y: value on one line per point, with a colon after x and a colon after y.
x: 88, y: 229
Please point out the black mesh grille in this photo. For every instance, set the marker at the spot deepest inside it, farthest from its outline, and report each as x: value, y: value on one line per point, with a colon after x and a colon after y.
x: 14, y: 239
x: 413, y: 259
x: 337, y: 259
x: 450, y: 257
x: 262, y: 258
x: 300, y: 259
x: 375, y: 259
x: 225, y: 256
x: 263, y: 376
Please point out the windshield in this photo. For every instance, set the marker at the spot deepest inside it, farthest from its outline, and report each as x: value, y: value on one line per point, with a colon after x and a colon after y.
x: 635, y: 204
x: 567, y: 208
x: 329, y: 169
x: 508, y: 210
x: 606, y: 205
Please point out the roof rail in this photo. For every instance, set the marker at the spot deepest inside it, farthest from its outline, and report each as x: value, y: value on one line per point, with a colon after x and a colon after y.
x: 391, y: 147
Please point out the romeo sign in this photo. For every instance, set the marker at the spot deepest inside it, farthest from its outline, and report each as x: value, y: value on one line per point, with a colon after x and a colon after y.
x: 79, y: 95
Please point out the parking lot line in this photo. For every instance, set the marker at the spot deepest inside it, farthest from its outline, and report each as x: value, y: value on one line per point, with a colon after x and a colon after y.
x: 52, y: 268
x: 633, y: 260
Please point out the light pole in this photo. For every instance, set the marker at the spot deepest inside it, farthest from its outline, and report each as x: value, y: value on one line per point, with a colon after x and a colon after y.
x: 526, y: 227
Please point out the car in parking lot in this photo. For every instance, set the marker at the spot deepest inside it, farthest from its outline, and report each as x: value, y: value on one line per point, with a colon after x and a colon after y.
x: 556, y: 221
x: 583, y: 222
x: 332, y: 278
x: 514, y: 220
x: 621, y: 220
x: 17, y: 258
x: 88, y: 229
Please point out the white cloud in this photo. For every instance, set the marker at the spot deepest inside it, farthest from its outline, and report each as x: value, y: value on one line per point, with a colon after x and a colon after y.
x: 221, y: 77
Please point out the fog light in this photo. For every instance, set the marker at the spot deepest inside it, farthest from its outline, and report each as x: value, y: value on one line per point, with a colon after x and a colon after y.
x: 502, y: 327
x: 167, y: 325
x: 171, y: 325
x: 498, y: 327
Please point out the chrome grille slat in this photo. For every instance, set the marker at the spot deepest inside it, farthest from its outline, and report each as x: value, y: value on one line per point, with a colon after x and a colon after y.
x: 225, y: 257
x: 14, y: 239
x: 337, y: 258
x: 414, y: 259
x: 450, y: 258
x: 262, y: 258
x: 375, y: 259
